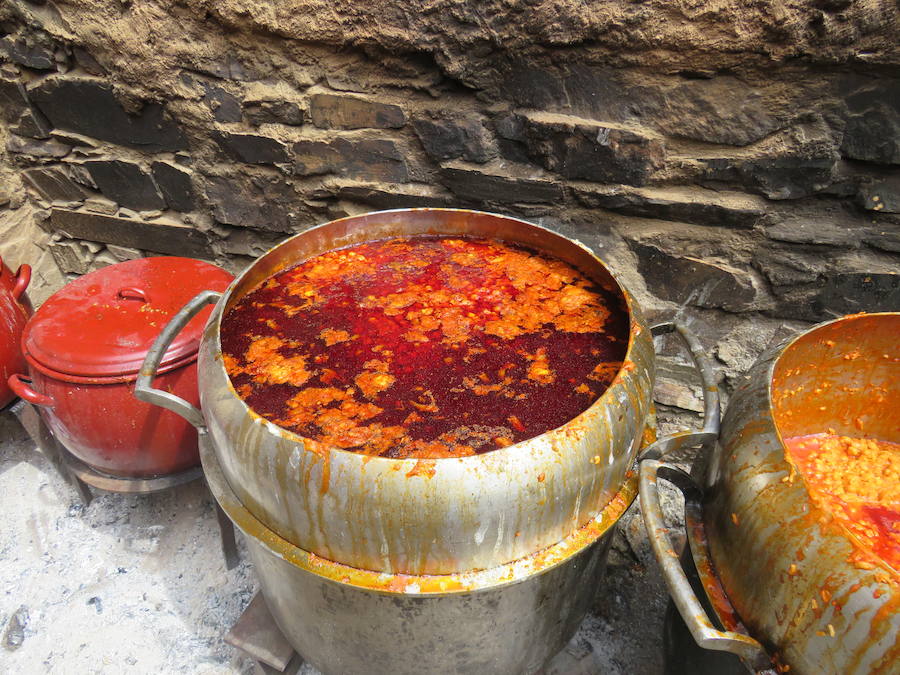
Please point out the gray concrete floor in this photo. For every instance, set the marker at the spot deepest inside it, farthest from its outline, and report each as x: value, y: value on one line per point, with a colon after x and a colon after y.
x: 137, y: 584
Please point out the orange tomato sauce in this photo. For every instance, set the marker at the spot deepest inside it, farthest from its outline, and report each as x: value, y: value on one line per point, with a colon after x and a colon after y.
x: 857, y: 481
x: 425, y: 347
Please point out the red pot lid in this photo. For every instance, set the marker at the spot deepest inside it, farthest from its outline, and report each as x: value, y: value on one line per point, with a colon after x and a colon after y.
x: 104, y: 323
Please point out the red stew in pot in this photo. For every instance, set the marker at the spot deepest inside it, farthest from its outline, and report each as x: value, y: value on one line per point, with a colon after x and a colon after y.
x: 426, y: 346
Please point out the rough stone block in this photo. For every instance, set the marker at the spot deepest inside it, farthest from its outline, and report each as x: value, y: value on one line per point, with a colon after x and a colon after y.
x: 799, y: 163
x: 37, y: 148
x: 28, y: 53
x: 330, y: 111
x: 691, y: 281
x: 252, y: 148
x: 261, y: 202
x: 13, y: 100
x: 452, y: 139
x: 122, y: 253
x: 850, y: 292
x: 126, y: 183
x: 87, y: 62
x: 88, y: 106
x: 161, y: 236
x: 52, y: 183
x: 364, y: 159
x: 872, y: 124
x: 72, y: 257
x: 175, y: 184
x: 411, y: 195
x: 225, y: 106
x: 101, y: 205
x: 579, y: 148
x: 482, y: 184
x: 881, y: 193
x: 831, y: 231
x: 274, y: 112
x: 682, y: 204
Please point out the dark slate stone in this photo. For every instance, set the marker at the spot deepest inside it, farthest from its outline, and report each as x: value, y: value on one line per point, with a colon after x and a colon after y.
x: 52, y: 183
x: 882, y: 193
x: 850, y: 292
x: 681, y: 204
x: 89, y: 106
x: 159, y: 236
x: 32, y: 124
x: 477, y: 185
x: 13, y: 100
x: 29, y: 54
x: 261, y: 202
x: 87, y: 62
x: 828, y: 231
x: 451, y: 139
x: 175, y: 184
x: 388, y: 197
x: 694, y: 282
x: 786, y: 177
x: 37, y: 148
x: 365, y: 159
x: 872, y: 130
x: 273, y: 112
x: 125, y: 183
x: 578, y: 148
x: 226, y: 107
x: 229, y: 67
x: 786, y: 267
x: 252, y: 148
x: 329, y: 111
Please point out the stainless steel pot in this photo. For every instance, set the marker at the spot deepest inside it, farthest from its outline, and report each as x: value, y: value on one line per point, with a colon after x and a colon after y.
x: 772, y: 566
x: 477, y: 564
x: 425, y: 516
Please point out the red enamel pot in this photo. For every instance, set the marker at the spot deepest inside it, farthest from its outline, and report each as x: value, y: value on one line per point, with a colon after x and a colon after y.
x: 14, y: 312
x: 84, y: 348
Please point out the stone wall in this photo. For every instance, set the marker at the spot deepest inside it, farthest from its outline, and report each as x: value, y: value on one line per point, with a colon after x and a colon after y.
x: 733, y: 161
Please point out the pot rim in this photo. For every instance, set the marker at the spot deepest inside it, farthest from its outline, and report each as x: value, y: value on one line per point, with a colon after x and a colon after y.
x: 124, y: 378
x: 413, y: 585
x: 634, y: 329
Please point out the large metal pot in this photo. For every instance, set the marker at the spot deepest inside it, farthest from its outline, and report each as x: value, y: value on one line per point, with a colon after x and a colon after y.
x: 371, y: 564
x: 772, y: 565
x: 425, y: 516
x: 83, y: 349
x: 14, y: 312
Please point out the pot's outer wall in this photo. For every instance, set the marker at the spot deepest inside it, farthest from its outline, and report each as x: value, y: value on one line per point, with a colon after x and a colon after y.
x: 829, y: 616
x: 471, y: 513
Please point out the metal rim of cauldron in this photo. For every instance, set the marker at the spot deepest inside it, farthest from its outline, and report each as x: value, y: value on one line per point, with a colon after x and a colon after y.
x: 706, y: 507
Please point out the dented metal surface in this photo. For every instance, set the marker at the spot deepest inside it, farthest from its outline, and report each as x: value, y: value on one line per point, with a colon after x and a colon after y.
x: 792, y: 577
x: 445, y: 515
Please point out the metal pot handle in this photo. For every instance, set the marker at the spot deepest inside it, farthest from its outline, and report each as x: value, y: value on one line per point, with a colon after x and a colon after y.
x: 23, y: 278
x: 143, y: 387
x: 23, y: 390
x: 710, y: 431
x: 704, y: 632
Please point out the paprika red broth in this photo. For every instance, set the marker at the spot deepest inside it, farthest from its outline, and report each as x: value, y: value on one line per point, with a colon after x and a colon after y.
x: 426, y: 346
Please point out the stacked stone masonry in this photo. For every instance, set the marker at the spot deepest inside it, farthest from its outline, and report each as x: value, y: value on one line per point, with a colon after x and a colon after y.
x: 740, y: 164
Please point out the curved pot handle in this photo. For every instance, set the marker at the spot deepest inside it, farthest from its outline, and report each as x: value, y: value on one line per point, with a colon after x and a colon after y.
x: 23, y: 390
x: 710, y: 431
x: 702, y: 629
x: 23, y: 278
x: 143, y: 387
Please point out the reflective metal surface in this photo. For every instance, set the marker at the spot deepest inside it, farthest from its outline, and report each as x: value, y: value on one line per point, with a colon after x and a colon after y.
x: 510, y: 619
x: 426, y: 516
x: 777, y: 564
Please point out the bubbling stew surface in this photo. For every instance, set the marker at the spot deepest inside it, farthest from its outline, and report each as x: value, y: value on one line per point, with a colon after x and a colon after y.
x: 426, y: 346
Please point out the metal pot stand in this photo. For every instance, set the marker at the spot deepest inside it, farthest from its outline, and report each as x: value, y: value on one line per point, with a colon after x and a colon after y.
x: 83, y: 477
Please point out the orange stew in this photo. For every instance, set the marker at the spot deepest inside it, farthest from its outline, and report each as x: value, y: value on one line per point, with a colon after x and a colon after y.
x: 425, y: 347
x: 857, y: 481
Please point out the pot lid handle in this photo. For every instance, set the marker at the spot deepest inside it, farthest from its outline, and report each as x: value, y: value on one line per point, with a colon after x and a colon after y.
x: 143, y: 387
x: 133, y: 293
x: 707, y: 636
x: 23, y: 278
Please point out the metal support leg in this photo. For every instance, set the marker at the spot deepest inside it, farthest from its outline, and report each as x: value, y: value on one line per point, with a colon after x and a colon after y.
x: 229, y: 544
x: 258, y: 636
x: 29, y: 418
